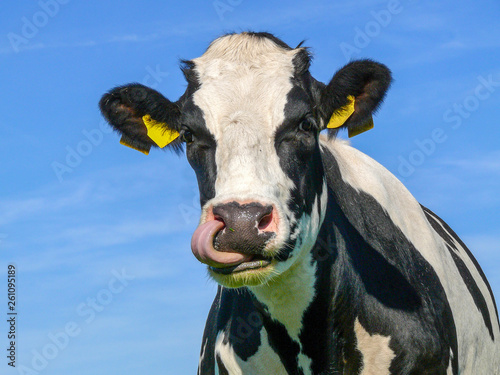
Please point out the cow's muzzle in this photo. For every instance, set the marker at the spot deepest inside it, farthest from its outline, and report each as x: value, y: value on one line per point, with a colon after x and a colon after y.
x: 234, y: 236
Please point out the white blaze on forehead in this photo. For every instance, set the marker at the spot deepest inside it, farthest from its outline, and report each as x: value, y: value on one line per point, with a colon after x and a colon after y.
x: 244, y: 82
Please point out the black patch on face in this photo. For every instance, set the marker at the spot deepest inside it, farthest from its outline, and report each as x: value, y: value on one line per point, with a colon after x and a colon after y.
x: 201, y: 151
x: 297, y: 146
x: 286, y: 251
x: 474, y: 290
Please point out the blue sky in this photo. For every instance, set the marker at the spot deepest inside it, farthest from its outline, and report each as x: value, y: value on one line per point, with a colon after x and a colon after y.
x: 100, y: 233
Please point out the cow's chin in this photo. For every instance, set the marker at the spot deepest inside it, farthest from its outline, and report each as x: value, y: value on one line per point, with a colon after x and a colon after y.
x: 258, y: 273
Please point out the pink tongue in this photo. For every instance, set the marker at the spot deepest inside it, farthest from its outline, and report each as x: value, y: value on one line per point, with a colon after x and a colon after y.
x: 203, y: 249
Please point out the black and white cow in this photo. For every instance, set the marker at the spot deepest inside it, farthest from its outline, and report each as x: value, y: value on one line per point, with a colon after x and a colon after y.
x: 326, y: 263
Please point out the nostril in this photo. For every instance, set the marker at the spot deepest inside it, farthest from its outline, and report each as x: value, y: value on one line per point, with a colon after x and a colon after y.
x: 244, y: 218
x: 265, y: 221
x: 218, y: 218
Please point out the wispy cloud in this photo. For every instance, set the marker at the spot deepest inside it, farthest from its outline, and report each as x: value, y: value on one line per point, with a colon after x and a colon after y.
x: 485, y: 248
x: 162, y: 33
x: 103, y: 186
x: 127, y: 231
x: 479, y: 164
x: 46, y: 200
x: 488, y: 245
x: 94, y: 219
x: 127, y: 38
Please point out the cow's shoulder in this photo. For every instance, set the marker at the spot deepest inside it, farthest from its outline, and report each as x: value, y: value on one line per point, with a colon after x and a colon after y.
x: 377, y: 204
x: 389, y: 248
x: 423, y: 249
x: 363, y: 175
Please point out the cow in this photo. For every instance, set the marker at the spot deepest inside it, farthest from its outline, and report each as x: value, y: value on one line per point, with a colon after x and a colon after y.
x: 326, y: 264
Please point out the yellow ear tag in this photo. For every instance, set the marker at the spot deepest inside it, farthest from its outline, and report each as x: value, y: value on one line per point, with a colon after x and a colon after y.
x: 340, y: 116
x: 159, y: 132
x: 124, y: 141
x: 352, y: 132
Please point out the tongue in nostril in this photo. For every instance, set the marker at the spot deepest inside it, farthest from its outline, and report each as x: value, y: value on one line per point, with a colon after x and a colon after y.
x: 203, y: 248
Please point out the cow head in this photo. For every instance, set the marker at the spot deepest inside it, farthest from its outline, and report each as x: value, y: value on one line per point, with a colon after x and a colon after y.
x: 250, y: 121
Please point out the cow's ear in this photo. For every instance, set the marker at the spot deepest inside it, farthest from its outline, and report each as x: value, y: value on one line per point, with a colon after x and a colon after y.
x: 143, y: 116
x: 353, y: 94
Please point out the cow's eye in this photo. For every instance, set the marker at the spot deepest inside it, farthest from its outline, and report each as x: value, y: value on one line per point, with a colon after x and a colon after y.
x: 187, y: 136
x: 306, y: 125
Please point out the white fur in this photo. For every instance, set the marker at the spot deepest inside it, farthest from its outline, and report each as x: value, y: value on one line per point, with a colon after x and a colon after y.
x: 477, y: 355
x: 377, y: 355
x: 227, y: 356
x: 244, y: 86
x: 449, y: 370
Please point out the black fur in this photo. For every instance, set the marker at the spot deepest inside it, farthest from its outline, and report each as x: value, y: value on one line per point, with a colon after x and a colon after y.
x: 299, y: 155
x: 124, y: 106
x: 201, y: 151
x: 474, y: 290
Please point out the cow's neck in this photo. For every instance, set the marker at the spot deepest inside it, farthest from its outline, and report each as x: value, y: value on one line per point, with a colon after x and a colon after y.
x: 303, y: 299
x: 303, y: 294
x: 294, y: 287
